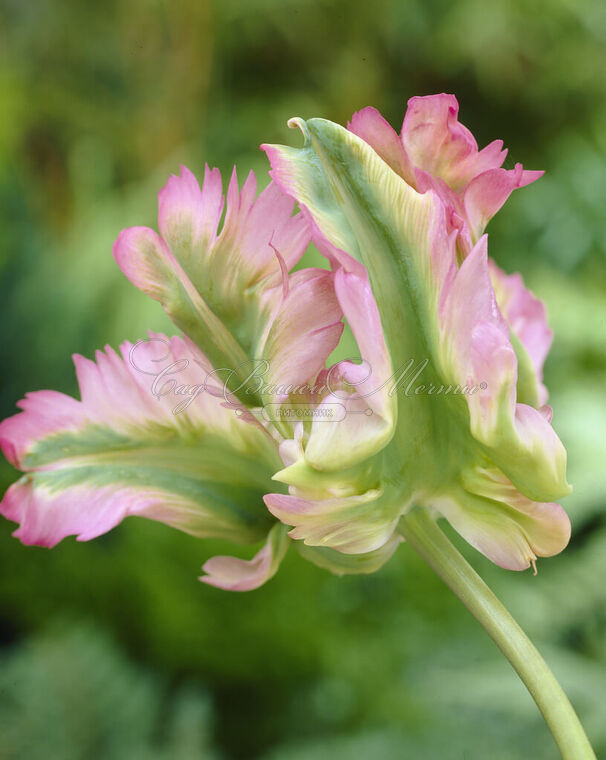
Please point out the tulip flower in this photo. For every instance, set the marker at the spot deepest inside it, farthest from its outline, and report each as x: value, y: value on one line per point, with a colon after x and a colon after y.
x: 471, y: 443
x: 239, y: 430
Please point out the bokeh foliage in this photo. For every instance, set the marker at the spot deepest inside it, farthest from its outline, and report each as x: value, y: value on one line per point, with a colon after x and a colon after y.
x: 113, y: 648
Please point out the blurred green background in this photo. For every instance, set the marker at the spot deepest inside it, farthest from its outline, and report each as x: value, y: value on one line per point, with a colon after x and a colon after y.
x: 113, y: 649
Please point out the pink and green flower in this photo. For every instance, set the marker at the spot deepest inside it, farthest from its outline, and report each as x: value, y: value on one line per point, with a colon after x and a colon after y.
x: 444, y: 412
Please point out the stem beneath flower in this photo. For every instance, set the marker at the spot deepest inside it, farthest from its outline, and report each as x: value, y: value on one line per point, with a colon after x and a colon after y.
x: 426, y: 538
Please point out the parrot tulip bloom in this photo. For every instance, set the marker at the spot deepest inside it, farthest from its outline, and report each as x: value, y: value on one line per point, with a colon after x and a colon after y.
x: 445, y: 412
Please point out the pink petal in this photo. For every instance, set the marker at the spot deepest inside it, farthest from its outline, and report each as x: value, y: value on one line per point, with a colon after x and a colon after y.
x: 382, y: 137
x: 189, y: 220
x: 543, y: 478
x: 507, y: 527
x: 337, y: 257
x: 187, y: 213
x: 330, y: 242
x: 477, y: 352
x: 436, y: 142
x: 206, y: 278
x: 527, y: 317
x: 362, y: 389
x: 129, y: 448
x: 352, y: 524
x: 475, y: 343
x: 233, y: 574
x: 255, y: 227
x: 360, y: 310
x: 127, y: 390
x: 456, y: 220
x: 433, y: 138
x: 44, y: 413
x: 306, y: 329
x: 357, y: 434
x: 151, y: 266
x: 144, y: 258
x: 487, y: 192
x: 45, y: 517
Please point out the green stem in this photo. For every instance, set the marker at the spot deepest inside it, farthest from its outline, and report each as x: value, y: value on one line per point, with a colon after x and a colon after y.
x: 422, y: 533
